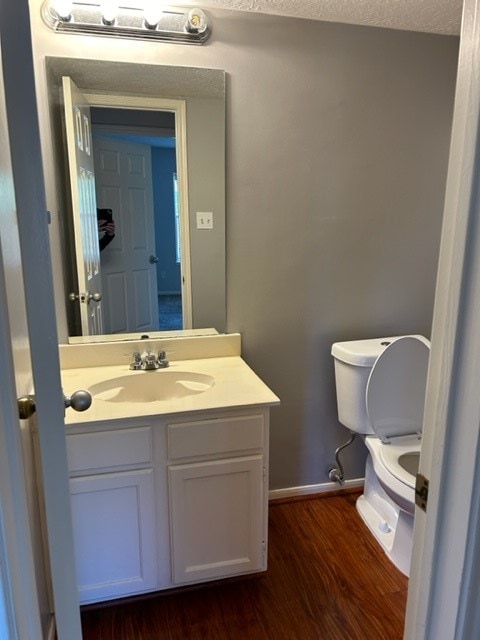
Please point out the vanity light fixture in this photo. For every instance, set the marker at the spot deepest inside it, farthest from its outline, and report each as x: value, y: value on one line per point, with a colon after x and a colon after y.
x: 153, y: 21
x: 63, y: 9
x: 109, y: 10
x: 152, y: 13
x: 196, y: 21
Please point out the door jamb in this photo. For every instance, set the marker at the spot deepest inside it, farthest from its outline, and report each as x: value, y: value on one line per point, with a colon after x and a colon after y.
x: 179, y: 108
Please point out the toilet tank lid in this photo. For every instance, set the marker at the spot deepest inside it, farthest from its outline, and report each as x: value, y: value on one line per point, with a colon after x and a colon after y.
x: 361, y: 353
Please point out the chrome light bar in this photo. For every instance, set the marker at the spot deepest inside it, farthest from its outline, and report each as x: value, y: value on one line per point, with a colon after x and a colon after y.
x: 175, y: 24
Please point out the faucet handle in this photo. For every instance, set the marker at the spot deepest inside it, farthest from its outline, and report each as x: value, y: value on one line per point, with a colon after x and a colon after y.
x: 137, y: 361
x: 162, y: 359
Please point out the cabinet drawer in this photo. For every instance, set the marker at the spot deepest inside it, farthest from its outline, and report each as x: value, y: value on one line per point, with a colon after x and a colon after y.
x: 107, y: 449
x: 210, y: 437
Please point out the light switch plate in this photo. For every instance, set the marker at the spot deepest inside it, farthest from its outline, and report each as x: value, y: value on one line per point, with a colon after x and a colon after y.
x: 204, y: 220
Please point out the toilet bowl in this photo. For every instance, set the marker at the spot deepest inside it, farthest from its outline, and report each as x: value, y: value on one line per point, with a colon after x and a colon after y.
x: 380, y: 394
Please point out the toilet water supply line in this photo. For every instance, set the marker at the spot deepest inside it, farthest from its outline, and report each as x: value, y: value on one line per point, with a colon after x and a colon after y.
x: 336, y: 474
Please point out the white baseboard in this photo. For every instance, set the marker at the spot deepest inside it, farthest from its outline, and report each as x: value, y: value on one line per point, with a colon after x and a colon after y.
x: 324, y: 487
x: 51, y: 629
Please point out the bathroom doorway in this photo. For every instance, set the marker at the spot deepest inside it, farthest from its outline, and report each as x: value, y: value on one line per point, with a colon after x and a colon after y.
x: 135, y: 142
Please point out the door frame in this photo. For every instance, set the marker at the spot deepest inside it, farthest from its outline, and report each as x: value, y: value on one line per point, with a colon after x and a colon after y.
x: 443, y: 589
x: 179, y: 109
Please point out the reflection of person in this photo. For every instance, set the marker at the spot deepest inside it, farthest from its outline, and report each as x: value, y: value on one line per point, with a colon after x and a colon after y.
x: 106, y: 227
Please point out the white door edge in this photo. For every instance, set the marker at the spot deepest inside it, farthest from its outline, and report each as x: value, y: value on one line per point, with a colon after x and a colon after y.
x: 442, y: 589
x: 21, y: 107
x: 78, y: 136
x: 17, y: 572
x: 182, y: 176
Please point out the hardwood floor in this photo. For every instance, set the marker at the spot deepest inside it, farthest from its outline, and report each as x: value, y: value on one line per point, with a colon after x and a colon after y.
x: 327, y: 580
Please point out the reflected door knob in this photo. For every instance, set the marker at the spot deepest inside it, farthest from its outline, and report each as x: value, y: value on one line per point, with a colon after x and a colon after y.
x: 153, y: 259
x: 85, y: 297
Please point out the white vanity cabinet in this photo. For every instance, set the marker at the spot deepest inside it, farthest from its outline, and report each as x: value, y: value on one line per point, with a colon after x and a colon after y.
x: 113, y: 511
x: 218, y: 504
x: 168, y: 500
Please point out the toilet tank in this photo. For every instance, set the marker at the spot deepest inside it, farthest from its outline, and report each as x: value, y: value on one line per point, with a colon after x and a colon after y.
x: 353, y: 363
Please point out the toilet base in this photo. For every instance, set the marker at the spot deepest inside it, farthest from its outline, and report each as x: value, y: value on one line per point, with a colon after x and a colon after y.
x: 391, y: 526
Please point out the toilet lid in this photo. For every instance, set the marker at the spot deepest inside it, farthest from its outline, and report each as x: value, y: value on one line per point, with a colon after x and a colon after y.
x: 395, y: 393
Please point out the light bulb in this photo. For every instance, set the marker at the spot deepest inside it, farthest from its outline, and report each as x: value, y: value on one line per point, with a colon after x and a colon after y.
x: 109, y: 9
x: 152, y: 13
x: 196, y: 21
x: 63, y: 9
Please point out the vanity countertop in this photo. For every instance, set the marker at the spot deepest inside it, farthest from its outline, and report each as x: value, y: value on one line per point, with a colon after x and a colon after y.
x: 234, y: 385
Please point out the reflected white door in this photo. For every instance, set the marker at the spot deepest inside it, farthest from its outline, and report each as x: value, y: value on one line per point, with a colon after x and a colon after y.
x: 123, y: 175
x: 84, y: 209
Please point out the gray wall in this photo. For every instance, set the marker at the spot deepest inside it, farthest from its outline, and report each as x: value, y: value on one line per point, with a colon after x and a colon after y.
x: 206, y: 149
x: 337, y: 142
x: 337, y: 155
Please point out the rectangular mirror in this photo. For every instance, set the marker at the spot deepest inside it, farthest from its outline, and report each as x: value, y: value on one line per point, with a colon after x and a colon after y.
x: 164, y: 267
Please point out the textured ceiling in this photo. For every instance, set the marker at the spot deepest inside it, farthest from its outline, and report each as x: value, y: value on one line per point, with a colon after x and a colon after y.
x: 434, y: 16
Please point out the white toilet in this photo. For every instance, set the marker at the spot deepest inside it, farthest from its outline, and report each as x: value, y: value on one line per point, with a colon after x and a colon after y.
x: 380, y: 394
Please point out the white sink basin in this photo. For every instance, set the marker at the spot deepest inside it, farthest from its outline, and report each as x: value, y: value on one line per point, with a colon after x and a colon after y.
x: 151, y: 386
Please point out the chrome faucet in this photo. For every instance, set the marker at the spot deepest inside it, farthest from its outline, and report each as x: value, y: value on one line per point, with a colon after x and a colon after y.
x: 148, y: 361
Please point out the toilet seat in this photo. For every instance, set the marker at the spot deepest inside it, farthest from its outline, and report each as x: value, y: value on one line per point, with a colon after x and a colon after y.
x: 391, y: 456
x: 395, y: 393
x: 397, y: 483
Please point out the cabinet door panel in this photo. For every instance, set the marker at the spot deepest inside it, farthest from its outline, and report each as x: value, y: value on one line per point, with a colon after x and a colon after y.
x: 114, y: 533
x: 217, y: 519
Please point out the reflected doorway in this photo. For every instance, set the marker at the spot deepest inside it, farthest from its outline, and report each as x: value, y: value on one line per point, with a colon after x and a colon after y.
x: 132, y: 143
